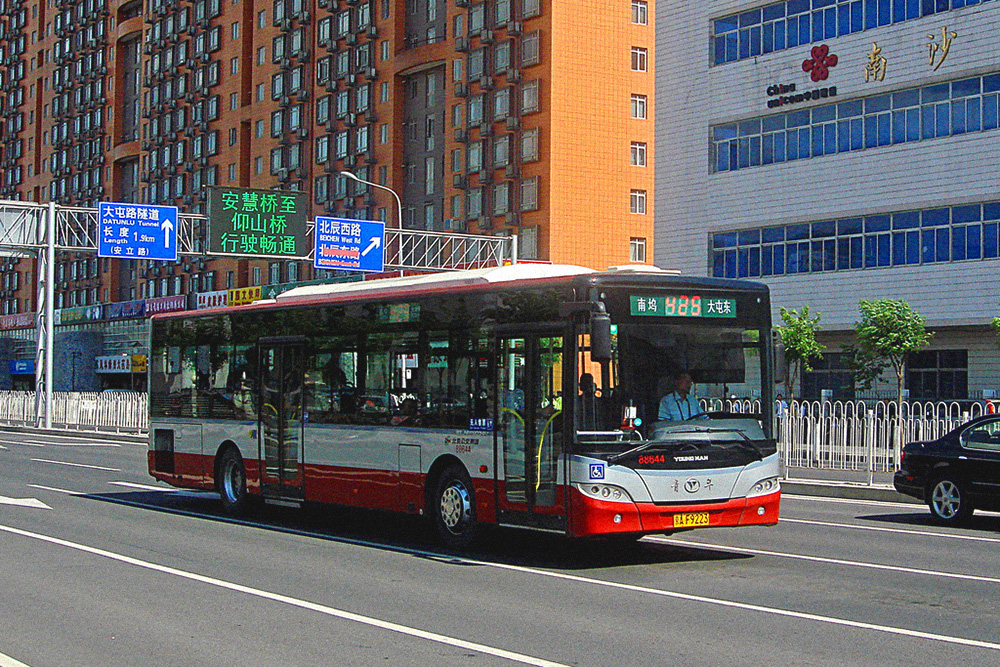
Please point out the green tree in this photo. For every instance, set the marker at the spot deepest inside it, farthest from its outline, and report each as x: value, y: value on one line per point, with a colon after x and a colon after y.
x: 799, y: 338
x: 888, y: 332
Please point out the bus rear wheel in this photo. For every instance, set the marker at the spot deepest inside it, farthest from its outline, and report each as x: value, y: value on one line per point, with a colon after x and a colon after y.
x: 455, y: 508
x: 232, y: 483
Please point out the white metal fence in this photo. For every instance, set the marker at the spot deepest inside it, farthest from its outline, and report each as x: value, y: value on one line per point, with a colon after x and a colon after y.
x: 853, y: 435
x: 829, y: 435
x: 113, y: 411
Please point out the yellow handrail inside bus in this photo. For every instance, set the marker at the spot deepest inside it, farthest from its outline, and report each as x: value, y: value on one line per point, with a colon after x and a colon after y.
x: 538, y: 457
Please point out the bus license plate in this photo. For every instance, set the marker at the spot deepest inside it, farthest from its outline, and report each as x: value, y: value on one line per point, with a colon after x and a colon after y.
x: 690, y: 519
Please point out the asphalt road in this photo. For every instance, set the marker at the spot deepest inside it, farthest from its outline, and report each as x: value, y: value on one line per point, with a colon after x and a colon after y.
x: 101, y: 566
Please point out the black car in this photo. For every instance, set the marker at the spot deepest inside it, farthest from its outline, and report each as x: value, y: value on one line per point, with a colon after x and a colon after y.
x: 957, y: 473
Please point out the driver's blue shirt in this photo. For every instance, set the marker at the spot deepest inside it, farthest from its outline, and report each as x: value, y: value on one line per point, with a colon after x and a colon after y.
x: 674, y: 407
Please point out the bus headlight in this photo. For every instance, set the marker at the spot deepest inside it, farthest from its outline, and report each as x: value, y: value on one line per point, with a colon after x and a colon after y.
x: 764, y: 487
x: 607, y: 492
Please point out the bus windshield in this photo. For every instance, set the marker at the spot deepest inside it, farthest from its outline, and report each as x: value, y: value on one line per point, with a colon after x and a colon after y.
x: 679, y: 386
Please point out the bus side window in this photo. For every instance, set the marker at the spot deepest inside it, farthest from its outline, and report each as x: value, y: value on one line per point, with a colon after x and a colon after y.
x: 331, y: 380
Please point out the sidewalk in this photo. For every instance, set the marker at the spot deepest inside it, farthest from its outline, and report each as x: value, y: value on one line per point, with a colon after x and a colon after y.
x: 852, y: 484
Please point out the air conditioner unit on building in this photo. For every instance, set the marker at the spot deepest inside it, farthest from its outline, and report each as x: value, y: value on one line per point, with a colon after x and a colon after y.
x: 462, y: 44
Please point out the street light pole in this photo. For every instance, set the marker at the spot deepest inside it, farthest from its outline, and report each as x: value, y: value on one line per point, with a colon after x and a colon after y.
x: 399, y: 202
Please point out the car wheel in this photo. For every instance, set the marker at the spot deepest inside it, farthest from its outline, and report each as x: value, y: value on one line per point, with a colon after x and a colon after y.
x: 232, y: 483
x: 455, y: 508
x: 949, y: 501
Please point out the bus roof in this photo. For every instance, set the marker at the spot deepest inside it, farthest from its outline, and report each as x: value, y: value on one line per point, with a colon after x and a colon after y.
x: 421, y: 283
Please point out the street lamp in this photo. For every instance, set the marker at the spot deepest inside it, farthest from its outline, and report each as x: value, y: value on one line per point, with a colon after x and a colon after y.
x: 399, y: 202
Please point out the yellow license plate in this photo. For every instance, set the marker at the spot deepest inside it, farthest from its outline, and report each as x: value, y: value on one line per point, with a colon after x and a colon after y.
x: 690, y: 519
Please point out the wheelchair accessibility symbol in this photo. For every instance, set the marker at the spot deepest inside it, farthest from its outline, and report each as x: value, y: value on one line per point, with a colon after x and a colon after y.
x: 596, y: 471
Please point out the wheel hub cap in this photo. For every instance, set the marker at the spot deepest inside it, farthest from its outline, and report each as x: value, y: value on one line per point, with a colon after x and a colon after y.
x: 946, y: 499
x: 455, y: 506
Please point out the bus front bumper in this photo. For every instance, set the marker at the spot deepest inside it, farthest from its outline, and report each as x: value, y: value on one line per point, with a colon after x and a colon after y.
x: 592, y: 518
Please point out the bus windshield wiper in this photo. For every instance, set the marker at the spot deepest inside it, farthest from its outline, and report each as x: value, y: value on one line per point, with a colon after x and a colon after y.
x: 744, y: 442
x: 614, y: 458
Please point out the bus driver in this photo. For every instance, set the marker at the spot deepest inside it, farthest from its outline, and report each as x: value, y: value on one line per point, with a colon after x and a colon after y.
x: 680, y: 404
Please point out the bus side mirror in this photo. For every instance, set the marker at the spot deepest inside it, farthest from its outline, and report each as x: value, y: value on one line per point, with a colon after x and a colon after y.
x: 600, y: 337
x: 780, y: 363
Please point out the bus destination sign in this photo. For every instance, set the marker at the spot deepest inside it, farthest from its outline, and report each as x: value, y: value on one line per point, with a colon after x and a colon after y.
x: 682, y: 305
x: 263, y: 223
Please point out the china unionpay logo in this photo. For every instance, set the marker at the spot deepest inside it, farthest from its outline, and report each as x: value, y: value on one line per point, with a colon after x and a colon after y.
x: 596, y: 471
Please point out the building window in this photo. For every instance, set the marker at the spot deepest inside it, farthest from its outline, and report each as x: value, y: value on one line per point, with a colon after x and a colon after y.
x: 530, y: 49
x: 638, y: 153
x: 928, y: 236
x: 640, y: 12
x: 831, y: 376
x: 637, y: 250
x: 529, y: 194
x: 529, y: 97
x: 638, y: 59
x: 529, y: 145
x: 793, y: 23
x: 938, y: 375
x: 638, y: 106
x: 918, y: 114
x: 528, y: 243
x: 637, y: 202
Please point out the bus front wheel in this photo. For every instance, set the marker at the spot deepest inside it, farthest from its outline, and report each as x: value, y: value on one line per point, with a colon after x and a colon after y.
x: 455, y: 508
x: 232, y: 483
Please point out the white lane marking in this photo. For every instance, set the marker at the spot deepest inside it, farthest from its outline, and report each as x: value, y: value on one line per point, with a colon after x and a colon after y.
x: 821, y: 559
x: 144, y: 487
x: 24, y: 443
x: 850, y: 501
x: 52, y: 488
x: 24, y: 502
x: 7, y: 661
x: 76, y: 465
x: 879, y: 529
x: 301, y: 604
x: 774, y: 611
x: 187, y: 493
x: 871, y: 503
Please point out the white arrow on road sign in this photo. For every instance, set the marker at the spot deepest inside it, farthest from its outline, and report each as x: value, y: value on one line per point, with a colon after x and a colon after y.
x: 167, y: 227
x: 24, y: 502
x: 375, y: 243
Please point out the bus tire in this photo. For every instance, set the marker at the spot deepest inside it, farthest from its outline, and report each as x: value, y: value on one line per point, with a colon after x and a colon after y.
x: 231, y: 483
x: 455, y: 508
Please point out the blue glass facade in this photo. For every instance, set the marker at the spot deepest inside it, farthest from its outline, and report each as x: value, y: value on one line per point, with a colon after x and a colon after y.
x: 929, y: 236
x: 784, y: 25
x: 917, y: 114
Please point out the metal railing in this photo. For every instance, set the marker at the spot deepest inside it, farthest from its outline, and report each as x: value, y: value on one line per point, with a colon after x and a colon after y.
x: 110, y: 411
x: 853, y: 435
x: 823, y: 435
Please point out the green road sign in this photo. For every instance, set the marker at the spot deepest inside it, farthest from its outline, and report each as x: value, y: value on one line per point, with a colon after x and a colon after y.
x: 262, y: 223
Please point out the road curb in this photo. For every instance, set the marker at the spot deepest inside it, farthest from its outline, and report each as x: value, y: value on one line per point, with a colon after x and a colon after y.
x: 846, y: 490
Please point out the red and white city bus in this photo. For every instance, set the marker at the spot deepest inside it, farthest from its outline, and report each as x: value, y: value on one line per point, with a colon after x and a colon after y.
x: 524, y: 395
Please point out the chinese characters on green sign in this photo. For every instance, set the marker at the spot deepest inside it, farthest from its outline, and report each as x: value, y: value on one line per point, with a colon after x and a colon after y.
x: 257, y: 222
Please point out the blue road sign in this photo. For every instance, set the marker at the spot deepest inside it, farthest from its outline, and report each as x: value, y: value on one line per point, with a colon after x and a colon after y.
x: 349, y: 245
x: 137, y: 231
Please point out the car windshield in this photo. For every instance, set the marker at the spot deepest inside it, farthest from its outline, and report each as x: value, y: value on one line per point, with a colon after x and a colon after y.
x: 683, y: 386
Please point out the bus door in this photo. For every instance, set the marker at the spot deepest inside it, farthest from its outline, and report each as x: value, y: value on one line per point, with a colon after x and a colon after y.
x: 529, y: 431
x: 282, y: 369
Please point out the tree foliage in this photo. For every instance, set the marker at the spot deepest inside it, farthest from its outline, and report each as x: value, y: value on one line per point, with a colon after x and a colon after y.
x: 889, y: 330
x: 798, y: 335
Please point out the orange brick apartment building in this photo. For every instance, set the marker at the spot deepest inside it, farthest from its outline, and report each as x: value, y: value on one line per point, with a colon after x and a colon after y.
x: 532, y: 117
